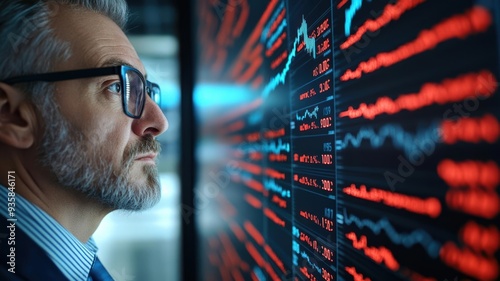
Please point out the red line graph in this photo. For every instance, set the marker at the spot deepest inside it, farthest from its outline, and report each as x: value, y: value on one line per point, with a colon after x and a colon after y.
x: 475, y: 20
x: 276, y: 23
x: 470, y: 173
x: 481, y: 238
x: 341, y: 3
x: 253, y: 137
x: 306, y: 273
x: 256, y: 235
x: 278, y: 157
x: 273, y: 217
x: 229, y: 263
x: 279, y: 201
x: 224, y: 34
x: 281, y: 58
x: 271, y: 272
x: 242, y: 19
x: 234, y: 259
x: 430, y: 206
x: 255, y: 156
x: 274, y: 174
x: 224, y: 30
x: 379, y: 255
x: 238, y: 231
x: 357, y: 276
x: 249, y: 167
x: 255, y: 254
x: 390, y: 13
x: 237, y: 275
x: 276, y: 45
x: 252, y: 69
x: 260, y: 260
x: 449, y: 90
x: 472, y: 130
x: 243, y: 57
x: 253, y: 201
x: 275, y: 258
x: 224, y: 273
x: 274, y: 134
x: 464, y: 260
x: 479, y: 203
x: 233, y: 127
x: 414, y: 276
x: 254, y: 184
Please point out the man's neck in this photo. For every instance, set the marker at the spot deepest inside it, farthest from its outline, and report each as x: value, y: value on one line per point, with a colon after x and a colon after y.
x: 79, y: 215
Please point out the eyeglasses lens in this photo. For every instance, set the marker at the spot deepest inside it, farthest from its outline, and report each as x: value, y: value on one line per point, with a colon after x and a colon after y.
x: 134, y: 93
x: 155, y: 95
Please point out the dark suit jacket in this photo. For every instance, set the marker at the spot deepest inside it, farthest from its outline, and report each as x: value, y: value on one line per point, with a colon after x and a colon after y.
x: 31, y: 261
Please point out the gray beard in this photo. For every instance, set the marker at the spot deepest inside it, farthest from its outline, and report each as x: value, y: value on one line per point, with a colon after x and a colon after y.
x: 78, y: 163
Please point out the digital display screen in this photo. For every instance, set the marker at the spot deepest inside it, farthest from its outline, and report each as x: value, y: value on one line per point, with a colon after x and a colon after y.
x: 350, y: 140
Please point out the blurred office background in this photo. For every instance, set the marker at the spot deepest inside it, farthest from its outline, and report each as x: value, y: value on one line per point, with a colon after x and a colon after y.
x: 146, y: 245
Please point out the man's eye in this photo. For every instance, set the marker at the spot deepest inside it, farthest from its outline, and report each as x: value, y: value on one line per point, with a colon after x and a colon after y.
x: 115, y: 87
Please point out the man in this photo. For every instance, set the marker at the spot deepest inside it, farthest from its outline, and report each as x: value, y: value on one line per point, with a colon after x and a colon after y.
x: 78, y: 124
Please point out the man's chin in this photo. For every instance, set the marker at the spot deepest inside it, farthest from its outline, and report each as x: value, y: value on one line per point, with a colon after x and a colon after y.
x: 137, y: 192
x: 140, y: 197
x: 146, y: 189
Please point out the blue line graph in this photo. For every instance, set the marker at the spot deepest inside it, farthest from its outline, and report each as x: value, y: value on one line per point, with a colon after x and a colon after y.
x: 310, y: 46
x: 271, y: 21
x: 313, y: 265
x: 401, y: 139
x: 276, y: 148
x: 270, y: 184
x: 259, y: 274
x: 308, y: 114
x: 349, y: 15
x: 270, y: 147
x: 417, y: 236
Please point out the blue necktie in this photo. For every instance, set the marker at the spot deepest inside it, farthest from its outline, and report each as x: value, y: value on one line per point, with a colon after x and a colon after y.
x: 98, y: 272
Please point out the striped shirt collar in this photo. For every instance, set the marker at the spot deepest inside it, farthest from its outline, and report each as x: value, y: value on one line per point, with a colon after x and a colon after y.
x: 71, y: 256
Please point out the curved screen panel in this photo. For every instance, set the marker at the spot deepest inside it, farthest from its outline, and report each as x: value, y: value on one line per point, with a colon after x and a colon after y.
x: 348, y: 140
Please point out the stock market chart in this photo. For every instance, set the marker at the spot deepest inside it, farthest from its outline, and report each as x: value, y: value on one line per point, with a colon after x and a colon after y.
x: 353, y: 140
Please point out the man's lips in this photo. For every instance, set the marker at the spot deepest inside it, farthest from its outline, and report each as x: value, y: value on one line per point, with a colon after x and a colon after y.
x: 146, y: 157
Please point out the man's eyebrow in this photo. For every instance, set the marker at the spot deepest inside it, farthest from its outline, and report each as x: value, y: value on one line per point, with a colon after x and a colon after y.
x: 116, y: 62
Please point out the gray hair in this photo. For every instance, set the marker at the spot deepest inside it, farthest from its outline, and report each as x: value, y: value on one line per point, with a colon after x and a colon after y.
x: 30, y: 46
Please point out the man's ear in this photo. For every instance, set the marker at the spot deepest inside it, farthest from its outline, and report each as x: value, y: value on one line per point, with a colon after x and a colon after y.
x: 17, y: 118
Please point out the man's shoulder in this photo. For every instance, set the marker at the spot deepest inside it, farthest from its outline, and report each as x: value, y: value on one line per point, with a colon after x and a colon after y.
x: 21, y: 258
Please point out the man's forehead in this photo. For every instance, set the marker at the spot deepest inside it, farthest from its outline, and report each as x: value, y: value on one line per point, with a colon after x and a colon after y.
x: 96, y: 41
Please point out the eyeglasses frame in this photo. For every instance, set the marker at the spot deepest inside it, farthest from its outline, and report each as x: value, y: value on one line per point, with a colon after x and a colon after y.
x: 119, y: 70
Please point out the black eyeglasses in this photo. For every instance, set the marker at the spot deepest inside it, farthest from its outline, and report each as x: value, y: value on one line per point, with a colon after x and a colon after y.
x: 133, y: 91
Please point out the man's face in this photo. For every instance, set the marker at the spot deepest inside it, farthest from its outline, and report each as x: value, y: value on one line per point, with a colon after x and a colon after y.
x: 89, y: 143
